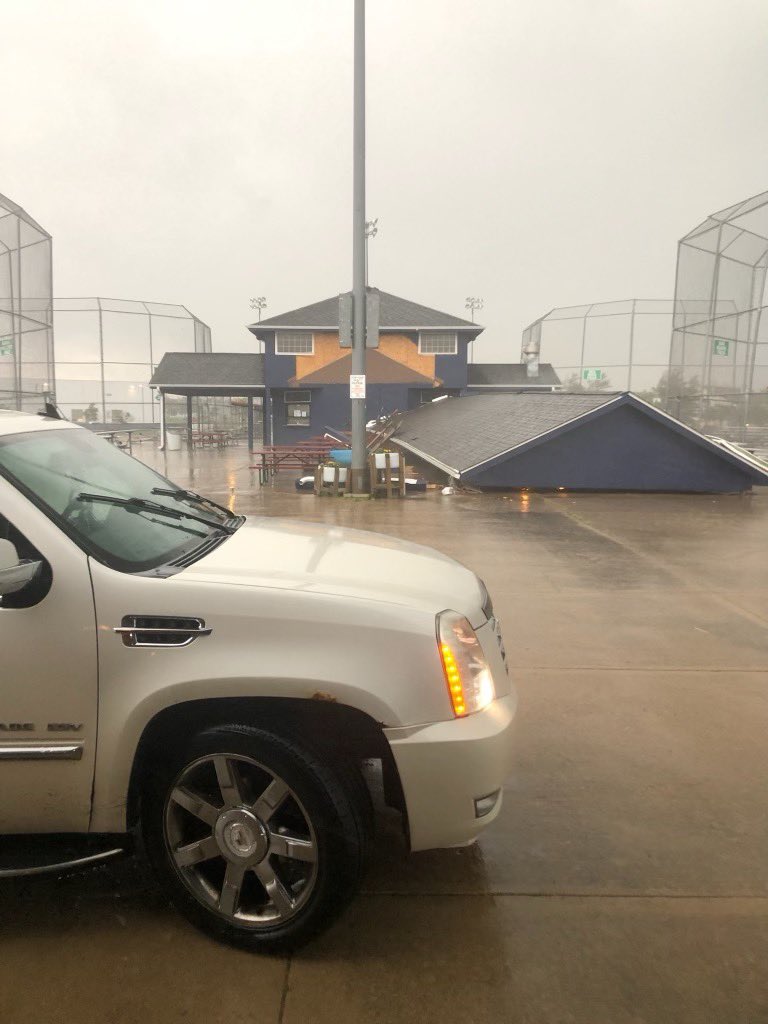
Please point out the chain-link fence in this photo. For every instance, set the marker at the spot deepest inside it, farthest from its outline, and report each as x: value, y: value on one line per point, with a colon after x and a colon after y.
x: 107, y: 351
x: 606, y: 346
x: 718, y: 368
x: 26, y: 331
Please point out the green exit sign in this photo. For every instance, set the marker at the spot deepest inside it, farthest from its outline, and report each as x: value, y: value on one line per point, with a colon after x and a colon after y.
x: 6, y: 346
x: 592, y: 374
x: 720, y: 347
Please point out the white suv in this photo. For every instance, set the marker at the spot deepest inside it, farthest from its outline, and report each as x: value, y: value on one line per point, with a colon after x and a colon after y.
x: 212, y: 685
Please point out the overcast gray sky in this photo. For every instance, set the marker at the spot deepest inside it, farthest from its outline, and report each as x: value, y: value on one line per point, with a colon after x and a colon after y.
x: 536, y: 154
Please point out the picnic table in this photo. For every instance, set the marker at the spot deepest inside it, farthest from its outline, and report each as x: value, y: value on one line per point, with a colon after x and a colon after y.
x: 211, y: 438
x: 302, y: 455
x: 113, y: 438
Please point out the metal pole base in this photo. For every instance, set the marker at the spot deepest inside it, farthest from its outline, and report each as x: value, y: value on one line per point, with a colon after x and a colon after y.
x: 359, y: 484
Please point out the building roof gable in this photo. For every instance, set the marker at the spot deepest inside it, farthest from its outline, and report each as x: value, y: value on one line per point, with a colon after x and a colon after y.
x: 395, y: 312
x: 464, y: 434
x: 209, y: 370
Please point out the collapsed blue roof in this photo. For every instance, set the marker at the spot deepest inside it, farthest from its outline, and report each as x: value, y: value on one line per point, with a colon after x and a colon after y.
x: 467, y: 436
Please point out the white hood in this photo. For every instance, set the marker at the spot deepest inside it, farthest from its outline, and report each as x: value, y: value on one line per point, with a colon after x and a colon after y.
x: 295, y: 555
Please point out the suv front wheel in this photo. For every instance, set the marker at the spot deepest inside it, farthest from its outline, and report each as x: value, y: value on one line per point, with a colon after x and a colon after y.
x: 254, y: 839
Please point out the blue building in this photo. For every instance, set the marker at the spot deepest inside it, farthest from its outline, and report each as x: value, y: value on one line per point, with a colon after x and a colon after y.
x: 422, y: 354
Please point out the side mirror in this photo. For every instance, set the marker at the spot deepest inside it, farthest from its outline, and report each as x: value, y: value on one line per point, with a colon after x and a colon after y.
x: 15, y: 575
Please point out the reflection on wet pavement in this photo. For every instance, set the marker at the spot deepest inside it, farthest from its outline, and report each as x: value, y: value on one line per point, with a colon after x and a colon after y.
x: 627, y: 876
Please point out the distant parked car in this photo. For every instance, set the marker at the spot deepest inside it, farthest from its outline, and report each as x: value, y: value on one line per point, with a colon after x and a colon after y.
x: 213, y: 685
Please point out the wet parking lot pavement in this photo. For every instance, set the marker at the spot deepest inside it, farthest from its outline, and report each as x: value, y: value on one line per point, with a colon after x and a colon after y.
x: 626, y: 879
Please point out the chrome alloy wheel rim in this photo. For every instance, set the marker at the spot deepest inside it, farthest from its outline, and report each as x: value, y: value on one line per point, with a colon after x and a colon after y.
x: 241, y: 841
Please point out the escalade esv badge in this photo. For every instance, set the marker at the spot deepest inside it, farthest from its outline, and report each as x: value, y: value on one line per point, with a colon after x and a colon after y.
x: 30, y: 727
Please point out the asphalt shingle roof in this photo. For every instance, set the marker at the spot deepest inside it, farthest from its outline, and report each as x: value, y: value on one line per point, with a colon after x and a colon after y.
x: 394, y: 312
x: 510, y: 375
x: 379, y: 369
x: 464, y: 432
x: 209, y: 369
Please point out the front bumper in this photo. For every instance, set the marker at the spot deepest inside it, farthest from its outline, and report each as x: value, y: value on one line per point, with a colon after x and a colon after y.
x: 446, y: 767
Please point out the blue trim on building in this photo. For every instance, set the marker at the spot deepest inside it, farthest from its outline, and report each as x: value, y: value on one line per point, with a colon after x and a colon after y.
x: 452, y: 370
x: 329, y: 405
x: 278, y: 370
x: 330, y: 409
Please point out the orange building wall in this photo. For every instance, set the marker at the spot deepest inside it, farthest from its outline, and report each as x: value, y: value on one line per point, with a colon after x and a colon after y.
x: 400, y: 348
x: 327, y: 350
x: 395, y: 346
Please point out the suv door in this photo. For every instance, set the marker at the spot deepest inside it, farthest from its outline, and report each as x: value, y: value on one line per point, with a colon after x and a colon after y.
x: 48, y: 679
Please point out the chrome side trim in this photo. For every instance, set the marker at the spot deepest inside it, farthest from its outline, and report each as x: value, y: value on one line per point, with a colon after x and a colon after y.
x: 65, y: 865
x: 196, y: 631
x: 41, y: 751
x: 131, y: 631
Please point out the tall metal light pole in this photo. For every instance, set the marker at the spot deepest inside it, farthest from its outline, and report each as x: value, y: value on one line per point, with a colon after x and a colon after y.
x: 357, y: 380
x: 259, y: 303
x: 472, y: 304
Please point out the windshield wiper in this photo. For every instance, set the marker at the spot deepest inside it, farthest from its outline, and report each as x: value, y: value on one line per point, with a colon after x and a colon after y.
x: 145, y: 505
x: 198, y: 499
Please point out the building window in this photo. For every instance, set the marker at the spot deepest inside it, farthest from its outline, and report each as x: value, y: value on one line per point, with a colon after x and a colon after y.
x: 297, y: 408
x: 294, y: 343
x: 437, y: 343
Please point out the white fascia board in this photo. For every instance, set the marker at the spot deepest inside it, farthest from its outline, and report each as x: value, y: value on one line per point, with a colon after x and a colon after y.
x: 209, y: 387
x: 427, y: 458
x: 445, y: 327
x: 382, y: 330
x: 740, y: 453
x: 536, y: 437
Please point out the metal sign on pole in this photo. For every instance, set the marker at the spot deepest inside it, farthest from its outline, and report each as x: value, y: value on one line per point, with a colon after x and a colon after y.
x: 372, y: 306
x: 358, y: 470
x: 345, y: 320
x: 357, y: 386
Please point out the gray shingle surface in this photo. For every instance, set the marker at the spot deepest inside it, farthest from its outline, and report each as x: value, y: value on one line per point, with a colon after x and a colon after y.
x: 210, y: 369
x: 462, y: 432
x: 394, y: 312
x: 510, y: 375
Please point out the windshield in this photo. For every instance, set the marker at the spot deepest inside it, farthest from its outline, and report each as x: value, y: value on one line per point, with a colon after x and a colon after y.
x: 55, y: 467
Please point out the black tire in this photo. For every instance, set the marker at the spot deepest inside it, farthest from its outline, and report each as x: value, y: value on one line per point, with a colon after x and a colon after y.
x: 334, y: 830
x: 351, y: 776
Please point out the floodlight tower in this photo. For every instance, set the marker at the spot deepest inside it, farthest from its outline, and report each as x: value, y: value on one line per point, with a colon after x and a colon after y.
x: 472, y: 303
x: 259, y: 303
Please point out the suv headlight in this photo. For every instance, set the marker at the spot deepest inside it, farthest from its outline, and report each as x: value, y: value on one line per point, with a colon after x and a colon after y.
x: 466, y: 670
